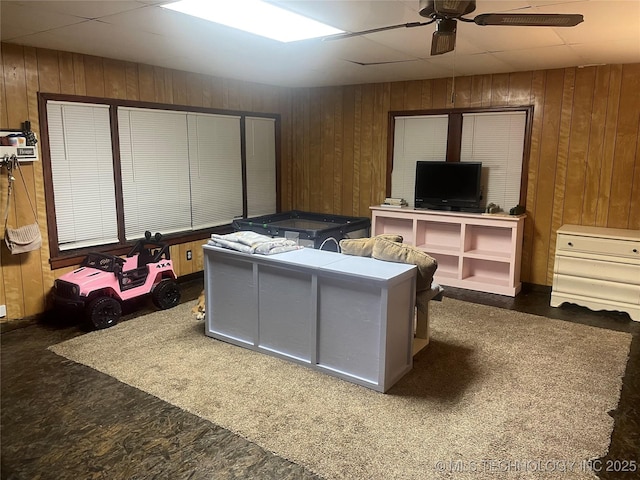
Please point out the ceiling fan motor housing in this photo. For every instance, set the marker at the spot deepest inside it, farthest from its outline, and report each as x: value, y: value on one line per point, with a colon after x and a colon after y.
x: 446, y: 8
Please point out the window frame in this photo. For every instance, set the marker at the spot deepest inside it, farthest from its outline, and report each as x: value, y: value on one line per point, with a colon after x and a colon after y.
x: 454, y: 137
x: 60, y: 259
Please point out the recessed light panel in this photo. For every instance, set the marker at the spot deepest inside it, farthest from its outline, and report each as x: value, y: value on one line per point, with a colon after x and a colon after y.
x: 256, y: 17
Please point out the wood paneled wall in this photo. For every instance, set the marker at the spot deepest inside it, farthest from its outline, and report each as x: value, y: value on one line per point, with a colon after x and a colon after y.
x: 26, y: 279
x: 583, y: 167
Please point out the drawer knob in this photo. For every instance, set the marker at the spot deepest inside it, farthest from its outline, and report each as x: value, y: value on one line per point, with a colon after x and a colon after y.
x: 570, y: 244
x: 635, y: 250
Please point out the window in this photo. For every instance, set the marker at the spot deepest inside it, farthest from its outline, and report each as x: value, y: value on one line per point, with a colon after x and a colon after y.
x: 216, y: 170
x: 416, y: 138
x: 154, y: 162
x: 114, y: 171
x: 175, y: 167
x: 82, y: 171
x: 498, y: 139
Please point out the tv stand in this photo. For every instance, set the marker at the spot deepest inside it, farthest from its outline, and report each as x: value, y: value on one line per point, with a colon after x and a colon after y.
x: 475, y: 251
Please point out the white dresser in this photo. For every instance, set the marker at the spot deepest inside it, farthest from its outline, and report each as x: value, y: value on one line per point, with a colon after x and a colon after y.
x: 598, y: 268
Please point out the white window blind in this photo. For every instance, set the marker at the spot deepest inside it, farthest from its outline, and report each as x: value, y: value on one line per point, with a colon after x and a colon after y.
x: 496, y: 140
x: 261, y: 166
x: 416, y: 138
x: 82, y: 171
x: 179, y: 171
x: 215, y: 164
x: 155, y: 173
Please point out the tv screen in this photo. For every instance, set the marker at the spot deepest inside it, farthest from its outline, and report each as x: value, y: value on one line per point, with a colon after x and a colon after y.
x: 448, y: 186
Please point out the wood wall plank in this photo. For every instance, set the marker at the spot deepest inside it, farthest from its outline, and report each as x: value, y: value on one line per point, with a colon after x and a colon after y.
x: 297, y: 152
x: 179, y: 84
x: 80, y: 83
x: 624, y: 158
x: 338, y: 149
x: 146, y: 83
x: 520, y: 88
x: 538, y: 86
x: 413, y: 95
x: 348, y: 108
x: 37, y: 266
x: 580, y: 123
x: 314, y: 154
x: 162, y: 90
x: 397, y: 96
x: 67, y: 75
x: 596, y: 145
x: 611, y: 125
x: 583, y: 163
x: 548, y: 162
x: 357, y: 149
x: 427, y: 95
x: 198, y: 255
x: 327, y: 152
x: 133, y: 83
x: 380, y: 127
x: 462, y: 92
x: 500, y: 90
x: 366, y: 147
x: 17, y: 111
x: 561, y: 164
x: 94, y: 76
x: 441, y: 94
x: 475, y: 98
x: 48, y: 71
x: 115, y: 79
x: 195, y: 90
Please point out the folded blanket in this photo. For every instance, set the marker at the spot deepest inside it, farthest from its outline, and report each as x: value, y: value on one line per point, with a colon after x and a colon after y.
x: 251, y: 242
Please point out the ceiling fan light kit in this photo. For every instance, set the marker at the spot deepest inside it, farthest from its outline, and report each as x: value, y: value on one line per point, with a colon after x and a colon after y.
x: 444, y: 37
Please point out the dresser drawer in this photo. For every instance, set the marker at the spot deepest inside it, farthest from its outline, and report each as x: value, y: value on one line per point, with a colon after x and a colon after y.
x: 601, y: 270
x: 592, y: 288
x: 601, y: 246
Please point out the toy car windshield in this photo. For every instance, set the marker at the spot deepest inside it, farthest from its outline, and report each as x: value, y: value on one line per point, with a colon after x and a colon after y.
x: 101, y: 261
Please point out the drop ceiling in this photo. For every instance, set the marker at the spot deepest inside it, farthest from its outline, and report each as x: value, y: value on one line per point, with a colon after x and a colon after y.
x: 141, y: 31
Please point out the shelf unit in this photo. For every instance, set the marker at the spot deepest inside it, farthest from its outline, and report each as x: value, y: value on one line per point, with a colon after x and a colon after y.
x: 24, y: 153
x: 479, y: 252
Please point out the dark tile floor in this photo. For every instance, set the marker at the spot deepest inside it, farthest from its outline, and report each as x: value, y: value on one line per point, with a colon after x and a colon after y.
x: 62, y: 420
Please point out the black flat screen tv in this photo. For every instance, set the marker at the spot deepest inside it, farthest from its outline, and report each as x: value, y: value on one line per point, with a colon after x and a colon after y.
x: 453, y: 186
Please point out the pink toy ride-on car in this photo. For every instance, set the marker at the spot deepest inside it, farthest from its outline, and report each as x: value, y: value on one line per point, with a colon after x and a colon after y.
x: 104, y: 281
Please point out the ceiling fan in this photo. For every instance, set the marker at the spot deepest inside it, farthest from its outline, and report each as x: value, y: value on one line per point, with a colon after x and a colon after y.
x: 446, y: 13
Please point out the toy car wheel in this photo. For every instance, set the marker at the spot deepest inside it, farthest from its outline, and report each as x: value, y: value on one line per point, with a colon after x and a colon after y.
x: 104, y: 312
x: 166, y: 294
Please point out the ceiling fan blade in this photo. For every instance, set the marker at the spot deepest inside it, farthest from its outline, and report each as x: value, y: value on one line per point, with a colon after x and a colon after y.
x: 340, y: 36
x: 444, y: 37
x: 367, y: 64
x: 526, y: 20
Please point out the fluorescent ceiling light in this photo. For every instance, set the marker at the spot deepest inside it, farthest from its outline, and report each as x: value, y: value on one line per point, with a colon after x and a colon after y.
x: 255, y: 16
